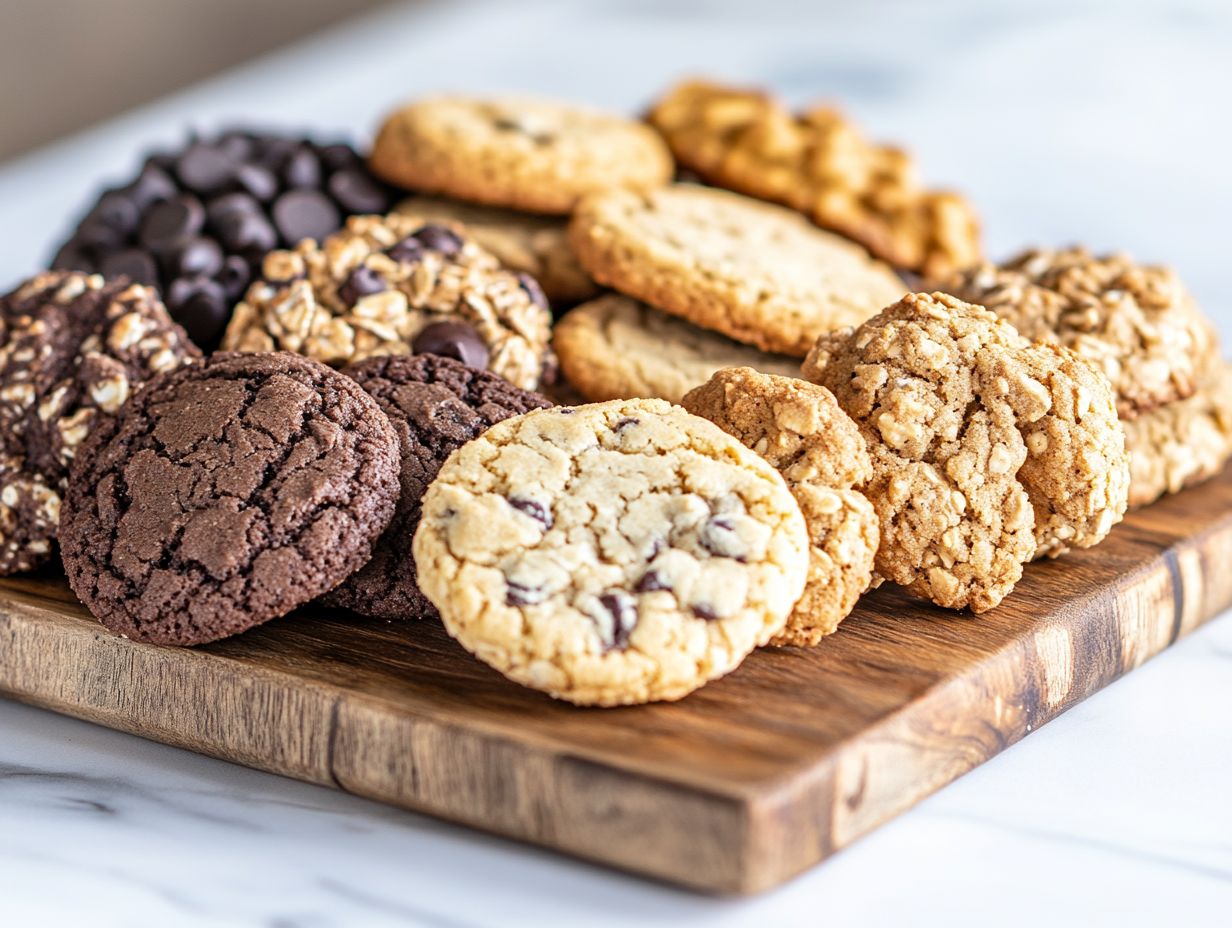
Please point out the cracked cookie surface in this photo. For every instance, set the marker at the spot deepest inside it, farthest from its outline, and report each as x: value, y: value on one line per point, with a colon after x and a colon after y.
x: 611, y: 554
x: 1136, y: 323
x: 73, y: 347
x: 987, y: 450
x: 383, y: 285
x: 226, y: 494
x: 758, y: 273
x: 525, y: 154
x: 800, y: 430
x: 435, y: 405
x: 616, y: 347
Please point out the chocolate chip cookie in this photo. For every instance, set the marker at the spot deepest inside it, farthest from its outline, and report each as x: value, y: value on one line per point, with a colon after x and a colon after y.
x: 436, y: 405
x: 799, y: 428
x: 535, y: 245
x: 225, y: 494
x: 73, y: 347
x: 757, y: 273
x: 1137, y: 323
x: 611, y: 554
x: 617, y: 348
x: 531, y: 155
x: 987, y: 450
x: 397, y: 285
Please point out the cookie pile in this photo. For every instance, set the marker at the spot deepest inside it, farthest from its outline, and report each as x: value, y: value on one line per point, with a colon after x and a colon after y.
x: 371, y: 438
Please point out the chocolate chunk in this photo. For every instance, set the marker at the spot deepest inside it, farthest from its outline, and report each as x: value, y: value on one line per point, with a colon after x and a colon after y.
x: 133, y: 263
x: 439, y: 238
x: 301, y: 214
x: 357, y: 192
x: 246, y: 232
x: 172, y: 220
x: 204, y: 168
x: 195, y: 257
x: 452, y: 339
x: 651, y: 581
x: 533, y: 509
x: 302, y: 170
x: 623, y: 610
x: 532, y: 289
x: 258, y: 181
x: 116, y: 210
x: 407, y: 251
x: 360, y: 283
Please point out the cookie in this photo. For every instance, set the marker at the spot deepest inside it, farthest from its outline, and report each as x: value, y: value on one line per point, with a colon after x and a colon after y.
x: 1183, y: 443
x: 800, y: 430
x: 617, y: 348
x: 819, y: 164
x: 757, y: 273
x: 1137, y: 323
x: 610, y: 554
x: 531, y: 155
x: 73, y: 347
x: 436, y: 405
x: 535, y: 245
x: 224, y: 495
x: 196, y: 222
x: 987, y: 450
x: 397, y: 285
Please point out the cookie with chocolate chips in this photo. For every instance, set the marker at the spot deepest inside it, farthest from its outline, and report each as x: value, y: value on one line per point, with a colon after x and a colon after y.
x: 436, y: 405
x: 611, y: 554
x: 73, y: 347
x: 225, y: 494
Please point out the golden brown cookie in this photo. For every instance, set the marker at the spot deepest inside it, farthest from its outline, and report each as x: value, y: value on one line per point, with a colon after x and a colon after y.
x: 799, y: 428
x: 536, y: 245
x: 616, y: 347
x: 1137, y: 323
x: 987, y: 450
x: 532, y: 155
x: 818, y: 163
x: 755, y: 272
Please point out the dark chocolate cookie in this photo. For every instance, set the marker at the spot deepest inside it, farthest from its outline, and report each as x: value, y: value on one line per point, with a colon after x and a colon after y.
x: 436, y: 405
x: 72, y: 348
x: 226, y: 494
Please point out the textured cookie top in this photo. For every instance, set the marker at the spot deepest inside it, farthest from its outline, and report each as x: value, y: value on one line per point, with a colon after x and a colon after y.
x: 382, y: 286
x: 614, y: 553
x: 536, y: 245
x: 818, y: 163
x: 1138, y: 324
x: 616, y: 347
x: 73, y: 347
x: 225, y: 494
x: 987, y: 450
x: 800, y: 430
x: 435, y: 405
x: 758, y: 273
x: 525, y: 154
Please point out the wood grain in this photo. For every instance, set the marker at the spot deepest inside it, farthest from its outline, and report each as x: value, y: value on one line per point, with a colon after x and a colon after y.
x: 735, y: 789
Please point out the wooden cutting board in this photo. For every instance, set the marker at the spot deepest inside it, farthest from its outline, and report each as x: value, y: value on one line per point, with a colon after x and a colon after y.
x: 740, y: 786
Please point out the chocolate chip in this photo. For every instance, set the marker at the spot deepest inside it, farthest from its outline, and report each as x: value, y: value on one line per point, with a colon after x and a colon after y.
x: 200, y: 305
x: 153, y: 185
x: 245, y: 232
x: 184, y: 289
x: 407, y: 251
x: 518, y: 595
x: 533, y: 509
x: 532, y: 289
x: 258, y: 181
x: 117, y: 211
x: 651, y: 581
x: 97, y: 234
x: 356, y: 192
x: 704, y: 611
x: 302, y: 170
x: 230, y: 203
x: 204, y: 169
x: 360, y: 283
x: 623, y: 610
x: 172, y: 220
x: 234, y: 277
x: 719, y: 537
x: 301, y: 214
x: 625, y: 423
x: 440, y: 238
x: 133, y: 263
x: 336, y: 157
x: 237, y: 145
x: 452, y: 339
x: 73, y: 257
x: 197, y: 256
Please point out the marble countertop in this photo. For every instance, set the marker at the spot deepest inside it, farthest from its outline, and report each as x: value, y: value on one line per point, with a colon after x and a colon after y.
x: 1103, y: 123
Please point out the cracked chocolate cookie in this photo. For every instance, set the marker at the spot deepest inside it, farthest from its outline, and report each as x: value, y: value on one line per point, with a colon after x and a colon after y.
x: 224, y: 495
x: 73, y: 347
x: 611, y: 554
x: 799, y: 428
x: 617, y: 348
x: 436, y: 405
x: 535, y: 245
x: 1136, y: 323
x: 524, y: 154
x: 755, y: 272
x: 987, y: 450
x: 397, y: 285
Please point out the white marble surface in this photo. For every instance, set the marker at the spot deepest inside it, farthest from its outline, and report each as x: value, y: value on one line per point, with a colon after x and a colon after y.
x: 1097, y: 122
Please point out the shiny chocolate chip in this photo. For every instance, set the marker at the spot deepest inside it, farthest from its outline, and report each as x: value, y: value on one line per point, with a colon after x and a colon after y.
x: 356, y: 192
x: 171, y: 221
x: 133, y: 263
x: 204, y: 168
x: 302, y: 169
x: 440, y: 238
x: 452, y: 339
x: 407, y: 251
x: 360, y: 283
x: 301, y: 214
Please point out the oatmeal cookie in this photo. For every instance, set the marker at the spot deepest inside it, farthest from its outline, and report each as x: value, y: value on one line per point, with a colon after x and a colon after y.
x: 611, y: 554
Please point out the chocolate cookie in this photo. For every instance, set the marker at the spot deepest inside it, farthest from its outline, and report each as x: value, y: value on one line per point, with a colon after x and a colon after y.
x: 436, y: 405
x: 226, y: 494
x: 72, y: 348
